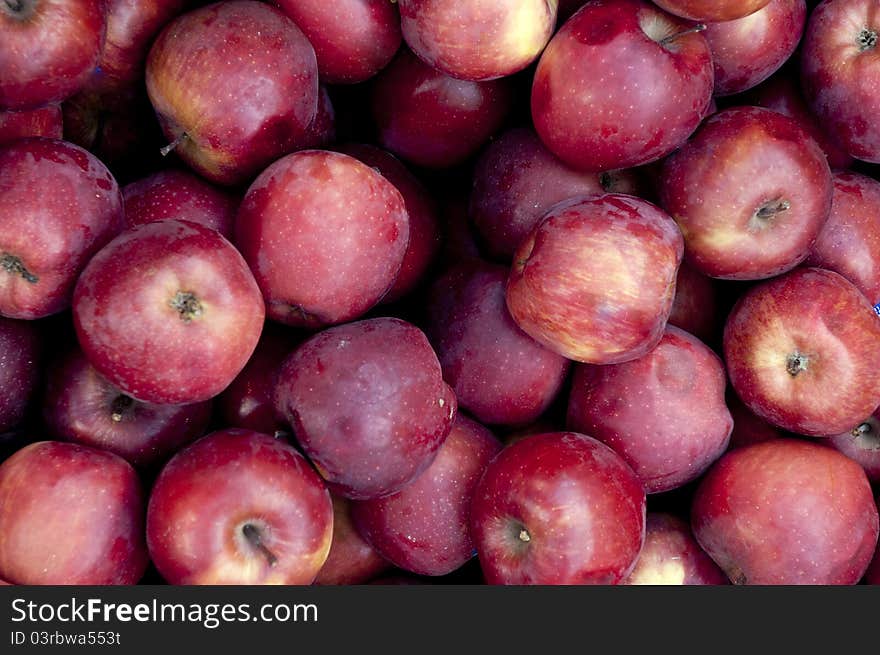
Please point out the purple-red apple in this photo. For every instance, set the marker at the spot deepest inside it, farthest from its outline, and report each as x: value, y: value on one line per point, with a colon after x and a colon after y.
x: 748, y: 427
x: 43, y: 121
x: 168, y: 312
x: 351, y: 560
x: 862, y: 444
x: 321, y: 132
x: 712, y: 10
x: 786, y: 512
x: 239, y: 507
x: 21, y: 347
x: 695, y: 305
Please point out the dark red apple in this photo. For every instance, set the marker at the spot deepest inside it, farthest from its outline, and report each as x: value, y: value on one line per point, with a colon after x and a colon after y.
x: 459, y: 237
x: 178, y: 195
x: 664, y: 412
x: 621, y: 84
x: 321, y: 132
x: 21, y: 347
x: 48, y: 50
x: 168, y: 312
x: 43, y: 121
x: 351, y: 560
x: 325, y: 236
x: 695, y: 306
x: 786, y: 512
x: 803, y: 352
x: 235, y: 86
x: 498, y: 372
x: 840, y: 73
x: 626, y: 253
x: 517, y: 180
x: 424, y: 527
x: 862, y: 444
x: 431, y: 119
x: 477, y: 39
x: 671, y: 556
x: 750, y: 192
x: 558, y: 508
x: 70, y: 515
x: 58, y: 206
x: 353, y: 39
x: 748, y: 428
x: 712, y: 10
x: 748, y: 50
x: 239, y: 507
x: 368, y: 405
x: 81, y: 406
x: 849, y: 243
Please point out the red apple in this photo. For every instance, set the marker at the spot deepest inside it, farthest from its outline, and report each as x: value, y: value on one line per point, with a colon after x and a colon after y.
x: 235, y: 85
x: 239, y: 507
x: 424, y: 527
x: 81, y: 406
x: 21, y: 346
x: 325, y: 235
x: 368, y: 405
x: 695, y: 306
x: 168, y: 312
x: 70, y: 515
x: 58, y: 206
x: 321, y: 132
x: 862, y: 444
x: 671, y: 556
x: 353, y: 39
x: 43, y: 121
x: 787, y: 512
x: 840, y: 72
x: 748, y: 50
x: 498, y: 372
x: 459, y: 238
x: 431, y: 119
x: 712, y: 10
x: 351, y: 560
x: 748, y: 428
x: 558, y: 508
x: 49, y: 49
x: 750, y: 192
x: 621, y: 84
x: 849, y: 243
x: 872, y: 575
x: 477, y: 39
x: 803, y: 352
x: 626, y: 252
x: 178, y: 195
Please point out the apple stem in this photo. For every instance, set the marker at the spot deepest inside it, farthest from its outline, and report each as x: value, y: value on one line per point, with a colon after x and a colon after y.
x: 797, y: 362
x: 862, y: 429
x: 14, y: 265
x: 770, y: 209
x: 252, y: 534
x: 120, y: 405
x: 699, y: 27
x: 15, y: 5
x: 524, y: 535
x: 867, y: 39
x: 166, y: 150
x: 187, y: 305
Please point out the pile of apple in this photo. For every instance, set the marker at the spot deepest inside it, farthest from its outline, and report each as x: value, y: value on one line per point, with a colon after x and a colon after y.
x: 503, y: 291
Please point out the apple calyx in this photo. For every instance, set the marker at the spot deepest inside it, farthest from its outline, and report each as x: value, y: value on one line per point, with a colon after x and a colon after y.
x: 13, y: 265
x: 187, y: 305
x: 254, y: 537
x: 168, y: 149
x: 867, y: 39
x: 765, y: 214
x: 524, y: 536
x: 120, y: 406
x: 666, y: 40
x: 796, y: 363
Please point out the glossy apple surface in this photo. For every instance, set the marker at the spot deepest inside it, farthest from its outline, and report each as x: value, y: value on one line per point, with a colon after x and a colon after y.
x: 42, y: 121
x: 351, y: 560
x: 712, y: 10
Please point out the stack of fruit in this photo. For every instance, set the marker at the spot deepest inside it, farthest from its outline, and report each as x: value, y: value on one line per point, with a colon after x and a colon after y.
x: 612, y: 321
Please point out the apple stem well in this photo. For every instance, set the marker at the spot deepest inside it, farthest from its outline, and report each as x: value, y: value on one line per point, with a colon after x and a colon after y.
x: 187, y: 305
x: 15, y: 6
x: 666, y: 40
x: 255, y: 539
x: 796, y: 363
x: 14, y: 265
x: 867, y: 39
x: 166, y: 150
x: 768, y: 211
x: 120, y: 405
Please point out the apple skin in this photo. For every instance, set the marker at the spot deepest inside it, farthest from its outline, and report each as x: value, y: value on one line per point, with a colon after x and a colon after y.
x: 244, y: 109
x: 424, y: 527
x: 786, y: 512
x: 352, y: 560
x: 695, y: 306
x: 517, y: 180
x: 433, y: 120
x: 862, y: 445
x: 58, y: 206
x: 748, y: 428
x: 80, y: 508
x: 325, y: 236
x: 353, y: 39
x: 168, y: 312
x: 558, y: 508
x: 872, y: 575
x: 49, y: 49
x: 43, y: 121
x: 750, y: 192
x: 712, y: 10
x: 498, y: 372
x: 840, y: 73
x: 368, y: 405
x: 748, y: 50
x: 849, y: 242
x: 424, y: 228
x: 626, y: 252
x: 663, y: 413
x: 671, y: 556
x: 81, y: 406
x: 210, y: 492
x: 321, y: 132
x: 608, y: 95
x: 178, y: 195
x: 477, y: 40
x: 21, y: 350
x: 803, y: 352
